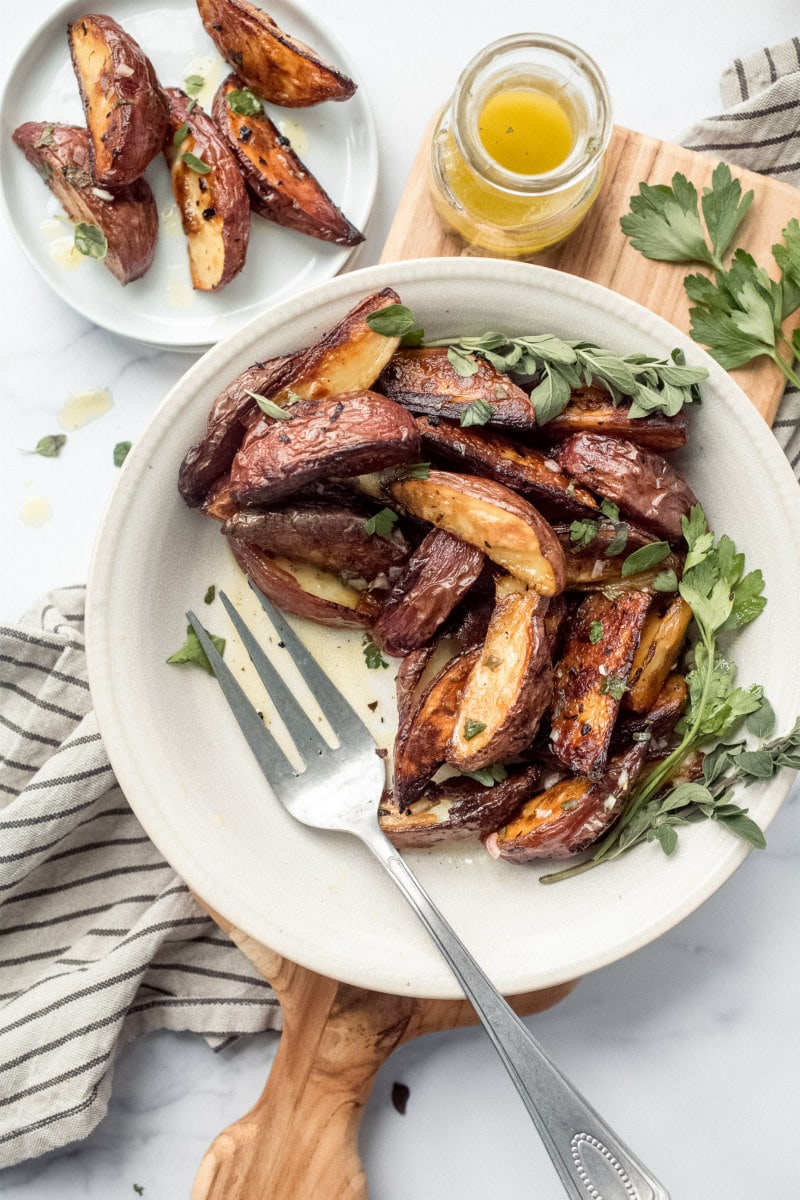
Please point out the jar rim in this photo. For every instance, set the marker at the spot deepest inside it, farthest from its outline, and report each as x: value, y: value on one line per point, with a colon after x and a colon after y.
x: 572, y: 170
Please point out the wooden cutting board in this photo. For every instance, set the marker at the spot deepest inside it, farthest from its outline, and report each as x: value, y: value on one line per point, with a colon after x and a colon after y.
x: 299, y: 1141
x: 598, y: 249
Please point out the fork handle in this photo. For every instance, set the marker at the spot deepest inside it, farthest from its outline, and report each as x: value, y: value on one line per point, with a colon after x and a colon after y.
x: 589, y: 1157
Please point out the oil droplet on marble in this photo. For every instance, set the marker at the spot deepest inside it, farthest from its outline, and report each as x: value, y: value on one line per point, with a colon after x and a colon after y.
x: 81, y: 407
x: 36, y: 511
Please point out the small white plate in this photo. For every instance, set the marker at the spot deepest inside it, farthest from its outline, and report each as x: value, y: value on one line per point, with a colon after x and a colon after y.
x: 319, y: 898
x: 335, y: 140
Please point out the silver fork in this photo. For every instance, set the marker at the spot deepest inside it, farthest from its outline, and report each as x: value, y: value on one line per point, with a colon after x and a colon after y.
x: 590, y: 1159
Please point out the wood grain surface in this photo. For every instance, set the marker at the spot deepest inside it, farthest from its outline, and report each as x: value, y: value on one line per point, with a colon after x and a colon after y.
x: 598, y: 249
x: 299, y: 1141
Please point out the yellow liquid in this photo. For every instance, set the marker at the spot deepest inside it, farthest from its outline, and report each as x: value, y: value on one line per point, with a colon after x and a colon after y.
x: 525, y: 131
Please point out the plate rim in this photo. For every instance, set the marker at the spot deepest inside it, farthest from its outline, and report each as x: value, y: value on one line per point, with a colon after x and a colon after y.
x: 184, y: 393
x: 54, y: 25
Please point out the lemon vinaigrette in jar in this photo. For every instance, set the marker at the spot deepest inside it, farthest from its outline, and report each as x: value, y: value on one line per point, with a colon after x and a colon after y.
x: 518, y: 154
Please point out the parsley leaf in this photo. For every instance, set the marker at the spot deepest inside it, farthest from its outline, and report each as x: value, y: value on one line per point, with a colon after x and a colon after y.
x: 121, y: 451
x: 396, y: 320
x: 381, y: 523
x: 194, y: 163
x: 244, y: 103
x: 582, y: 533
x: 488, y: 776
x: 372, y: 654
x: 192, y: 652
x: 596, y: 632
x: 644, y: 557
x: 472, y: 728
x: 90, y: 240
x: 270, y: 407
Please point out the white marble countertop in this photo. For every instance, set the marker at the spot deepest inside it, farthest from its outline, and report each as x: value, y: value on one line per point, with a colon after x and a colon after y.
x: 690, y: 1046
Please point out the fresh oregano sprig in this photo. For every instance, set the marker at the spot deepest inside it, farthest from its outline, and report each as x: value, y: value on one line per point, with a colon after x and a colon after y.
x: 738, y: 315
x: 652, y: 384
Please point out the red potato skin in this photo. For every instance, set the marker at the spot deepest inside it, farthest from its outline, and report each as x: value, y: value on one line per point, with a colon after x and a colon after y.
x: 588, y: 568
x: 526, y: 470
x: 474, y: 810
x: 425, y: 381
x: 276, y: 66
x: 234, y: 409
x: 642, y: 483
x: 127, y: 117
x: 590, y: 410
x: 437, y: 576
x: 583, y: 713
x: 343, y: 435
x: 329, y: 534
x: 129, y: 219
x: 284, y: 591
x: 281, y: 187
x: 214, y: 208
x: 423, y: 736
x: 565, y: 833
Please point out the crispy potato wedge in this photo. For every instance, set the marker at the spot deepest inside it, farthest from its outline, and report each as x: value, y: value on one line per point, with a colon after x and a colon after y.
x: 281, y: 187
x: 337, y: 436
x: 126, y: 216
x: 663, y: 635
x: 591, y: 410
x: 123, y: 104
x: 507, y: 528
x: 591, y: 675
x: 436, y: 577
x: 526, y: 470
x: 423, y: 736
x: 426, y: 382
x: 569, y: 816
x: 508, y: 689
x: 328, y: 534
x: 349, y: 357
x: 210, y: 192
x: 660, y: 719
x: 643, y: 484
x: 588, y: 568
x: 278, y: 67
x: 455, y: 809
x: 303, y: 589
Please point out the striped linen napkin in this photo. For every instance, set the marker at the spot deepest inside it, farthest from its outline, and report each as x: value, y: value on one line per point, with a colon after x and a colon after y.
x: 760, y: 129
x: 99, y: 939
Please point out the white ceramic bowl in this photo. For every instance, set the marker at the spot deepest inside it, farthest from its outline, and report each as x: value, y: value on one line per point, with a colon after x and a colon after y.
x: 319, y: 898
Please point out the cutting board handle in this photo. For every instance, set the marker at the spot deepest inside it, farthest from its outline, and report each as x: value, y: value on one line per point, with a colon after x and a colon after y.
x: 300, y: 1139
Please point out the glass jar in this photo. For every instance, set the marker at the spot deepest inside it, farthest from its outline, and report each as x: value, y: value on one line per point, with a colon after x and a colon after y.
x: 541, y: 179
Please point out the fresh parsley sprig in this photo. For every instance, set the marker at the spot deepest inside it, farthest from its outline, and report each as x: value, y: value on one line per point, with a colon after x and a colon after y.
x: 738, y: 315
x: 652, y: 384
x: 722, y: 598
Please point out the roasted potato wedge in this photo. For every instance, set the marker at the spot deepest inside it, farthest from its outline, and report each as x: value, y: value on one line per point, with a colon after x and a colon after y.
x: 328, y: 534
x: 127, y: 216
x: 423, y: 736
x: 210, y: 192
x: 508, y: 689
x: 426, y: 382
x: 124, y: 106
x: 569, y: 816
x: 591, y: 675
x: 663, y: 635
x: 278, y: 67
x: 349, y: 357
x: 337, y: 436
x: 588, y: 568
x: 643, y: 484
x: 282, y: 189
x: 303, y: 589
x: 455, y: 809
x: 658, y: 722
x: 436, y: 577
x: 526, y: 470
x: 490, y: 516
x: 591, y: 410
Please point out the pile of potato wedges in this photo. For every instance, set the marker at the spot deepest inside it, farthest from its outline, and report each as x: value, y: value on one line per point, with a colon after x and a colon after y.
x: 538, y: 678
x: 223, y: 165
